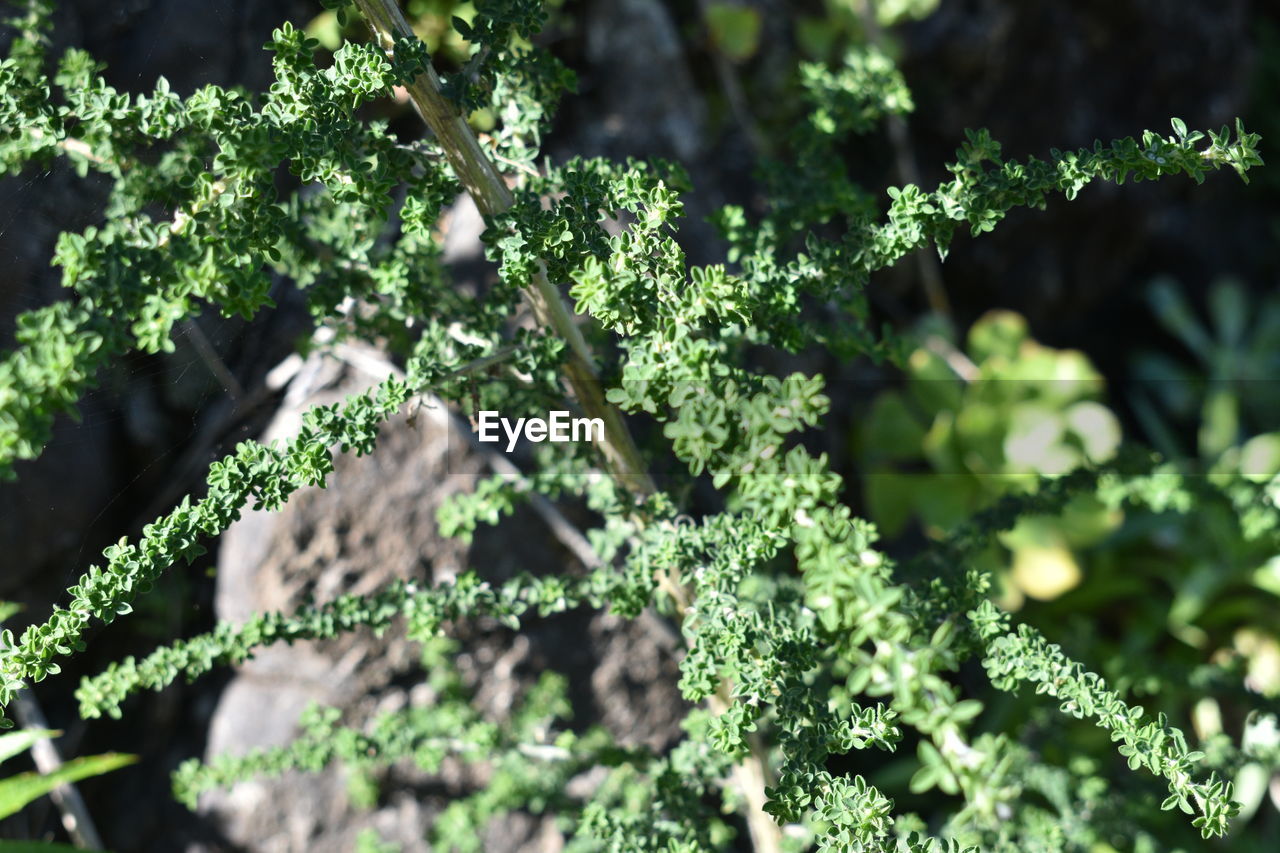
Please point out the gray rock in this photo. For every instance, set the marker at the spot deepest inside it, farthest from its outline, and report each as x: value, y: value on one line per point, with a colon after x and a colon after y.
x: 375, y: 523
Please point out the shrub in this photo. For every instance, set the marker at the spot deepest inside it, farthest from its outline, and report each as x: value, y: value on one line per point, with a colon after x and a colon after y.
x: 804, y: 640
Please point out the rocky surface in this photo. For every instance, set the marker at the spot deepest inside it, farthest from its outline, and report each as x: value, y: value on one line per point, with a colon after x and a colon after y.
x: 376, y: 523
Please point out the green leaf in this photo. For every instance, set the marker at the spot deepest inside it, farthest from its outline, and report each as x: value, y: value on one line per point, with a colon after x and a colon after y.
x: 1220, y: 422
x: 944, y: 500
x: 1260, y: 457
x: 891, y: 498
x: 1096, y: 428
x: 891, y: 430
x: 16, y: 743
x: 997, y: 334
x: 735, y: 30
x: 326, y: 29
x: 19, y: 790
x: 1229, y: 308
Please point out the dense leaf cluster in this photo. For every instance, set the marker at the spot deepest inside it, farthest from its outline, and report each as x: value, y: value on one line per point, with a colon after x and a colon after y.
x: 804, y: 640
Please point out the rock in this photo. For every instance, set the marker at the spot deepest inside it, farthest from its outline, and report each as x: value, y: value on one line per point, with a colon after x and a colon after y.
x: 375, y: 523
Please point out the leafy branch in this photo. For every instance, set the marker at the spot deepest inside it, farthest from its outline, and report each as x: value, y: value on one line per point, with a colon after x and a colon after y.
x: 1025, y: 656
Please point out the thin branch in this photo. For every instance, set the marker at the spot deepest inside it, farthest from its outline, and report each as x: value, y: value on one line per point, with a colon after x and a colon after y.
x: 76, y: 819
x: 212, y: 360
x: 935, y: 290
x: 506, y: 161
x: 735, y: 95
x: 475, y: 170
x: 471, y: 72
x: 959, y: 363
x: 477, y: 173
x: 376, y: 364
x: 233, y: 412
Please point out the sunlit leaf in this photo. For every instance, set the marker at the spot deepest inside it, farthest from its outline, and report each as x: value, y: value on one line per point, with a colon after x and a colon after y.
x: 17, y: 791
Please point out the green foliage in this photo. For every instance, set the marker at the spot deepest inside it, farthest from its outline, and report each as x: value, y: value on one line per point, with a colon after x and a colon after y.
x: 1231, y: 355
x: 1010, y: 413
x: 1004, y: 416
x: 1026, y: 657
x: 528, y: 762
x: 805, y: 641
x: 425, y: 611
x: 267, y: 475
x: 369, y: 842
x: 16, y: 791
x: 734, y: 29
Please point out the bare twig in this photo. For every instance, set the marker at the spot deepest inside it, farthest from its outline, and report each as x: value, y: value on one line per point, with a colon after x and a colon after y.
x: 475, y: 170
x: 506, y: 161
x: 959, y: 363
x: 75, y: 814
x: 212, y: 360
x: 376, y: 364
x: 736, y: 97
x: 909, y: 172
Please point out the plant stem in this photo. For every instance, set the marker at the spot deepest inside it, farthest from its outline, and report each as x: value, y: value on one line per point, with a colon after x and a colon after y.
x: 935, y: 290
x: 376, y: 364
x: 475, y: 170
x: 76, y: 819
x: 477, y: 173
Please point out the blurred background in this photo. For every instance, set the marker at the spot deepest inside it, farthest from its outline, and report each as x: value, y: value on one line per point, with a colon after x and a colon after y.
x: 1141, y: 313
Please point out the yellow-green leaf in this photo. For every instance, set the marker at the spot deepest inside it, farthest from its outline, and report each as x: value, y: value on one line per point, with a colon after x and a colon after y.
x: 16, y: 743
x: 735, y: 30
x: 19, y: 790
